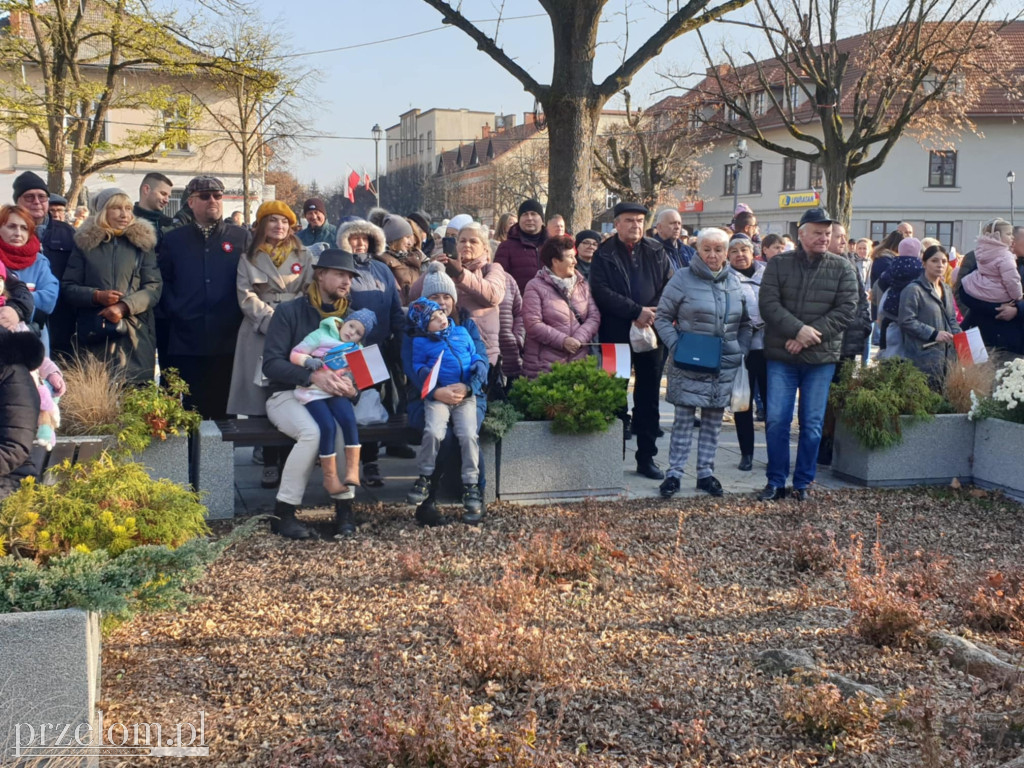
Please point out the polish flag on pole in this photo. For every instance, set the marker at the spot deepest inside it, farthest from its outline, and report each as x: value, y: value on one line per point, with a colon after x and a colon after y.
x: 353, y: 181
x: 615, y: 360
x: 350, y: 193
x: 366, y: 182
x: 367, y: 366
x: 969, y: 347
x: 431, y: 382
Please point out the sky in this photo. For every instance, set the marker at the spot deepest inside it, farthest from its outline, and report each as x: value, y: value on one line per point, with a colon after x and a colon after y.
x: 376, y: 83
x: 396, y: 55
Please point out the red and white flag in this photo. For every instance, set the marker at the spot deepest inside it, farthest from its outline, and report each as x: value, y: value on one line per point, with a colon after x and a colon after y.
x: 366, y: 182
x: 616, y: 360
x: 431, y: 382
x: 969, y: 346
x: 350, y: 193
x: 367, y: 366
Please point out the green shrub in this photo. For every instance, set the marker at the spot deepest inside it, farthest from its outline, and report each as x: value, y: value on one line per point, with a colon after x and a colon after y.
x: 501, y: 417
x: 871, y: 400
x: 577, y: 397
x: 155, y: 412
x: 101, y: 504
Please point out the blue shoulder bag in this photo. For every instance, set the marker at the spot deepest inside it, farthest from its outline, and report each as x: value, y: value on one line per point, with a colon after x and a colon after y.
x: 699, y: 352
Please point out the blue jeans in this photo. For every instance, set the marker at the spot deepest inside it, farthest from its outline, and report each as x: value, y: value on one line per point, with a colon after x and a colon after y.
x: 784, y: 380
x: 325, y: 413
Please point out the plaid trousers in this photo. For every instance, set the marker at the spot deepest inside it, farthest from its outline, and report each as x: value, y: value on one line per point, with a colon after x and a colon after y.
x: 682, y: 437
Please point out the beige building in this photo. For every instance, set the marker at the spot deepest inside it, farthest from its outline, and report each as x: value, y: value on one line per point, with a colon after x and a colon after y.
x: 419, y: 138
x: 206, y: 150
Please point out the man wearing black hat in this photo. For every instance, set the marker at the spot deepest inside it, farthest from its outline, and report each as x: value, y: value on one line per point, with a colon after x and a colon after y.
x: 292, y: 321
x: 318, y: 231
x: 199, y: 264
x: 57, y: 241
x: 808, y: 297
x: 519, y: 255
x: 58, y: 207
x: 627, y: 276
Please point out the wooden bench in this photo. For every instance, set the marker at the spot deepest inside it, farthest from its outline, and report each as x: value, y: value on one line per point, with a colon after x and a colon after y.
x: 251, y: 432
x: 77, y: 450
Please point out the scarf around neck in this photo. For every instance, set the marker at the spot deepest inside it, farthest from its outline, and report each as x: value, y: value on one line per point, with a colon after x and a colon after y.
x: 278, y: 253
x: 340, y: 307
x: 20, y: 256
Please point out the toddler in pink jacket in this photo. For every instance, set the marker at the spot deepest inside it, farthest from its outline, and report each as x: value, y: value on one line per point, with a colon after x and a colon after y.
x: 996, y: 279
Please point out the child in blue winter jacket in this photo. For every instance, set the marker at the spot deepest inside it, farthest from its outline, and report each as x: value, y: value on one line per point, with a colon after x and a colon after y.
x: 335, y: 335
x: 460, y: 364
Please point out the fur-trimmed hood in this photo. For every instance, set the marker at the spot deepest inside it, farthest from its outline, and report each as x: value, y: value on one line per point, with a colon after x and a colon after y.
x: 21, y: 348
x: 374, y: 233
x: 140, y: 233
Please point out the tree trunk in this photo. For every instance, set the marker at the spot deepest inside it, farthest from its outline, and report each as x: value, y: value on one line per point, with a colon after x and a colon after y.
x: 572, y: 128
x: 839, y: 191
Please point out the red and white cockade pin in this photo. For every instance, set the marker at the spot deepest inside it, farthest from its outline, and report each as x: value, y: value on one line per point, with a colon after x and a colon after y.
x: 227, y: 247
x: 296, y: 268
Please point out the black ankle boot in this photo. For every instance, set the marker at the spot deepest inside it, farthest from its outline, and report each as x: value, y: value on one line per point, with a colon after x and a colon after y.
x: 286, y: 525
x: 344, y: 518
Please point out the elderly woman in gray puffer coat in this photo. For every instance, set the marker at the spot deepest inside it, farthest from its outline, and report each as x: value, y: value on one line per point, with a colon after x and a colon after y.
x: 707, y: 299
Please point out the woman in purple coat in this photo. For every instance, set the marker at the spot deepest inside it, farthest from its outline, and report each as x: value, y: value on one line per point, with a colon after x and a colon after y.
x: 559, y: 313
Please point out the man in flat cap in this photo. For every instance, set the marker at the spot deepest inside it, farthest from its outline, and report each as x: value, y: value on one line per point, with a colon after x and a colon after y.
x: 627, y: 276
x: 318, y: 231
x: 808, y: 297
x: 199, y: 261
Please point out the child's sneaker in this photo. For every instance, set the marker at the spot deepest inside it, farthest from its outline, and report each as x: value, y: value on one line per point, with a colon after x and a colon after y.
x: 473, y: 503
x: 420, y: 491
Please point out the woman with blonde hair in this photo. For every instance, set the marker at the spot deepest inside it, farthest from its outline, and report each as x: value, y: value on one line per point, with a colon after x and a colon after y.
x: 276, y: 269
x: 113, y: 283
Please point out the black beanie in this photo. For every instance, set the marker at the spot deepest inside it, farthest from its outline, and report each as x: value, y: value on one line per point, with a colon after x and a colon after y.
x: 27, y: 181
x: 531, y: 205
x: 587, y: 234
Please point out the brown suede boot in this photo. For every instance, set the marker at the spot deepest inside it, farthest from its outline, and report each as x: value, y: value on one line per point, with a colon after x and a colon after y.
x: 329, y: 466
x: 352, y: 465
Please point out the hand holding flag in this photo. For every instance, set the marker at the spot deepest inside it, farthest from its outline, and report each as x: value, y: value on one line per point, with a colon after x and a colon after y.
x: 431, y: 382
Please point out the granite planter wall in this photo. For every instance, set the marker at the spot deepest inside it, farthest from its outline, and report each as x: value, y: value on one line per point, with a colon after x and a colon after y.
x: 998, y: 446
x: 163, y: 458
x: 535, y: 463
x: 931, y: 453
x: 51, y: 674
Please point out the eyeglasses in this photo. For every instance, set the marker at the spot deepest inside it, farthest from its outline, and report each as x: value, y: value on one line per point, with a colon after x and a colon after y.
x: 205, y: 196
x: 35, y: 198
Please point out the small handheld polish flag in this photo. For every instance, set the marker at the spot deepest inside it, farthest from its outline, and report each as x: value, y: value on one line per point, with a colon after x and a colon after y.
x: 969, y: 346
x: 615, y: 359
x: 431, y: 382
x: 367, y: 366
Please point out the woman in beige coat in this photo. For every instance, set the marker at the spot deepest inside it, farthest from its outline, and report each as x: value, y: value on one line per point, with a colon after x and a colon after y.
x: 278, y: 268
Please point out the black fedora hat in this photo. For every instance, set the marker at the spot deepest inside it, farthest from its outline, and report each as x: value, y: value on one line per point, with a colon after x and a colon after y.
x: 336, y: 258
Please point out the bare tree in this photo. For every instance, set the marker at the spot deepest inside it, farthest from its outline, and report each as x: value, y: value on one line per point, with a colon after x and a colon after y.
x: 257, y: 99
x: 917, y: 71
x: 521, y: 174
x: 572, y: 102
x: 649, y: 155
x: 70, y: 64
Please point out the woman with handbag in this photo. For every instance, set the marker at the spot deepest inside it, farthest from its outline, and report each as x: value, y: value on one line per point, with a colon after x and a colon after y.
x: 276, y: 269
x: 702, y: 318
x: 559, y: 313
x: 749, y: 271
x: 113, y: 284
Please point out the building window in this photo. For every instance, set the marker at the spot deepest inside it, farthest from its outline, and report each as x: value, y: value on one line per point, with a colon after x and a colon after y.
x: 730, y: 179
x: 175, y: 120
x: 816, y: 177
x: 430, y: 141
x: 731, y: 115
x: 423, y: 144
x: 794, y: 96
x: 759, y: 102
x: 788, y: 174
x: 942, y: 169
x: 611, y: 199
x: 755, y: 177
x: 879, y: 229
x: 940, y: 230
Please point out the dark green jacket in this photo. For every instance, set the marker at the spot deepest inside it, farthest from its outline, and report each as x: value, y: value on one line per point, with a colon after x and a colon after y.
x: 797, y: 291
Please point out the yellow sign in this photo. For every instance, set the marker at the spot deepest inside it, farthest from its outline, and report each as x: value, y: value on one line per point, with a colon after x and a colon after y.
x: 799, y: 199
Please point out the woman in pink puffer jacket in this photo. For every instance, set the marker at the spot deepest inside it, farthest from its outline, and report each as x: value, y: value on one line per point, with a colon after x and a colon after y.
x: 996, y: 279
x: 559, y: 313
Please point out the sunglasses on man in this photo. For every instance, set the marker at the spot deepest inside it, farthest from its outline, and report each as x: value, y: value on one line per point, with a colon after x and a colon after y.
x: 205, y: 196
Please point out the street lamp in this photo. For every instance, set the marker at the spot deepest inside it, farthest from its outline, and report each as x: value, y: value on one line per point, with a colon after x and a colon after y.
x: 738, y: 156
x: 377, y: 135
x: 1010, y: 178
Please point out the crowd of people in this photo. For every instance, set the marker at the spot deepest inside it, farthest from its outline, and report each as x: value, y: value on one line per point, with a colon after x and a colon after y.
x: 260, y: 321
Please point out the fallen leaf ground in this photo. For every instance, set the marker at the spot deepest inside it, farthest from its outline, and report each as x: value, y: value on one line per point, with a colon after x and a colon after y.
x: 590, y: 634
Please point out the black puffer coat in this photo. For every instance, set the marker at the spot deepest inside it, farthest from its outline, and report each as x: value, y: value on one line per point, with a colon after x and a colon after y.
x: 20, y: 353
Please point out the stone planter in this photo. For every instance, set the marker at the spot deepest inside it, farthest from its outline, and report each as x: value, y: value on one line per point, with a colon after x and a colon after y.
x: 163, y: 458
x: 51, y: 673
x: 534, y: 463
x: 932, y: 453
x: 997, y: 456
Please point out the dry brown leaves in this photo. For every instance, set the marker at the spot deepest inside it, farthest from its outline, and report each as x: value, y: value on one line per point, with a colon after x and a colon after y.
x: 596, y: 634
